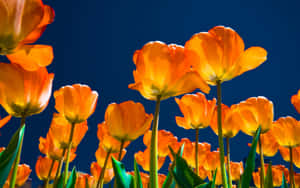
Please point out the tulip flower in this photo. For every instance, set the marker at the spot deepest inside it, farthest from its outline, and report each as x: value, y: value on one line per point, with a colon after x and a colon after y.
x: 22, y: 22
x: 236, y: 170
x: 297, y: 180
x: 285, y: 154
x: 165, y: 139
x: 46, y: 168
x: 277, y: 171
x: 101, y: 155
x: 142, y: 158
x: 96, y: 171
x: 23, y: 173
x: 211, y: 161
x: 85, y: 180
x: 295, y: 99
x: 219, y: 55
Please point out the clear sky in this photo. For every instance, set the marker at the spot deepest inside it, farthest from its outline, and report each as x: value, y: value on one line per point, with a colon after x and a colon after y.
x: 94, y: 41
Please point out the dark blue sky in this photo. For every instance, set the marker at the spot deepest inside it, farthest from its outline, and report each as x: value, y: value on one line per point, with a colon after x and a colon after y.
x: 94, y: 42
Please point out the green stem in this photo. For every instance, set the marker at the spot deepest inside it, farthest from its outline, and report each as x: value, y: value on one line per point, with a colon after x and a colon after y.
x: 17, y: 160
x: 121, y: 149
x: 68, y: 155
x: 228, y: 162
x: 101, y: 177
x: 196, y: 151
x: 292, y: 179
x: 220, y: 134
x: 60, y: 165
x: 153, y: 147
x: 49, y: 174
x: 262, y: 163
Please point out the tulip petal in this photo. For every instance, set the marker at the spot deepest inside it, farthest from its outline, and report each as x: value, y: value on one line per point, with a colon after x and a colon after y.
x: 4, y: 121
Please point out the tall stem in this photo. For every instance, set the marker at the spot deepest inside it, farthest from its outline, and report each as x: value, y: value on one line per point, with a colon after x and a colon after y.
x: 101, y: 177
x: 49, y: 174
x: 292, y: 179
x: 220, y: 134
x: 153, y: 147
x: 121, y: 149
x: 262, y: 163
x: 60, y: 164
x: 228, y: 162
x: 68, y: 155
x: 17, y: 160
x: 196, y: 151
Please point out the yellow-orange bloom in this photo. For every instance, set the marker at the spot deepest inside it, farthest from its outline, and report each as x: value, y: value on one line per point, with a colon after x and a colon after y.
x: 196, y: 109
x: 23, y: 173
x: 220, y: 54
x: 22, y: 22
x: 24, y: 93
x: 236, y: 170
x: 212, y: 160
x: 60, y: 129
x: 286, y: 130
x: 295, y: 99
x: 165, y: 139
x: 255, y: 112
x: 96, y: 171
x: 143, y: 159
x: 162, y: 70
x: 146, y: 179
x: 76, y: 103
x: 42, y: 168
x: 203, y: 173
x: 108, y: 142
x: 48, y: 147
x: 231, y: 121
x: 285, y: 153
x: 277, y: 171
x: 297, y: 180
x: 4, y: 121
x: 101, y: 154
x: 32, y: 57
x: 127, y: 120
x: 85, y: 180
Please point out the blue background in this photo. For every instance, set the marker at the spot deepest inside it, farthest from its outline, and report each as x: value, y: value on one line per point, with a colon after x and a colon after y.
x: 94, y: 42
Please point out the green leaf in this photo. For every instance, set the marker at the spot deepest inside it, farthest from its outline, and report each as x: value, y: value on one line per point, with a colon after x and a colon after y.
x: 250, y: 162
x: 137, y: 176
x: 123, y: 179
x: 269, y: 178
x: 8, y: 156
x: 72, y: 179
x: 169, y: 181
x: 184, y: 175
x: 284, y: 184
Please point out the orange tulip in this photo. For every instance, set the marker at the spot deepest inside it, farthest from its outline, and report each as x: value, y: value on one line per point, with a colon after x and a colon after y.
x: 162, y: 70
x: 142, y: 158
x: 203, y: 173
x: 220, y: 54
x: 268, y: 143
x: 101, y: 155
x: 231, y: 121
x: 85, y: 180
x: 212, y: 160
x: 76, y: 103
x: 286, y: 130
x: 295, y: 99
x: 255, y: 112
x: 48, y: 147
x: 32, y: 57
x: 197, y: 111
x: 108, y: 142
x: 297, y: 180
x: 22, y: 22
x: 127, y: 120
x: 146, y: 179
x: 236, y: 170
x: 96, y: 171
x: 4, y: 121
x: 42, y: 168
x: 60, y: 130
x: 165, y: 139
x: 24, y: 93
x: 218, y: 180
x: 23, y: 173
x: 277, y: 171
x: 285, y: 153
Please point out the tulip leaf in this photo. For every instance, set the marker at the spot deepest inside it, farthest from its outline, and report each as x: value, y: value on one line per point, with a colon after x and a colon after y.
x: 8, y: 156
x: 250, y: 162
x: 184, y: 175
x: 210, y: 184
x: 169, y: 181
x: 269, y: 178
x: 72, y: 179
x: 283, y: 184
x: 137, y: 176
x: 123, y: 179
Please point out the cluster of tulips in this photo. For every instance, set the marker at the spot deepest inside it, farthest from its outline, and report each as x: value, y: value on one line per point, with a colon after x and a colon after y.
x: 162, y: 72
